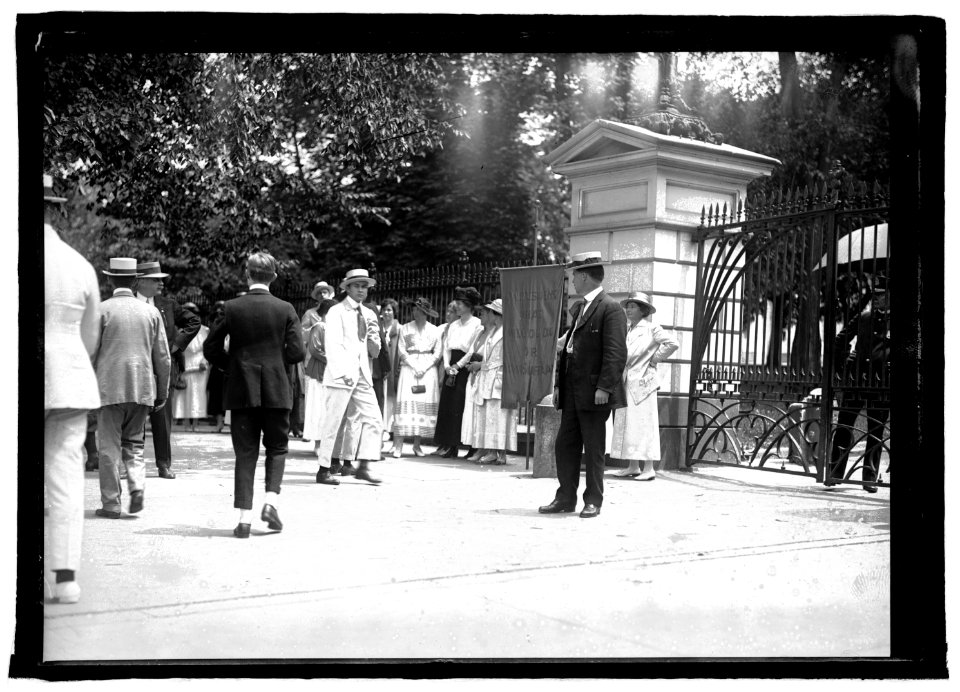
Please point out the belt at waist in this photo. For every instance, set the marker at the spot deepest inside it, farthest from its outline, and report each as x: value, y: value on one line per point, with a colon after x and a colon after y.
x: 419, y: 351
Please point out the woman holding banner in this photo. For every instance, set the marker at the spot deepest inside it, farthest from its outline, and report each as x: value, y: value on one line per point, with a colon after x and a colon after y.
x: 636, y: 428
x: 460, y: 336
x: 418, y: 351
x: 493, y: 428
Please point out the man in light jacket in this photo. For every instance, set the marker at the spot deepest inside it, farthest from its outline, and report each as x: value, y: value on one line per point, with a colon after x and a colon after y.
x: 71, y: 302
x: 133, y: 373
x: 352, y: 338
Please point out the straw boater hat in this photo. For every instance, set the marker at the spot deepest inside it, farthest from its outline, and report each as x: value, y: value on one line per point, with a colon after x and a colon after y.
x: 151, y: 270
x: 640, y: 298
x: 122, y: 266
x: 423, y: 305
x: 468, y: 295
x: 355, y: 276
x: 496, y: 306
x: 48, y: 193
x: 319, y: 289
x: 583, y: 260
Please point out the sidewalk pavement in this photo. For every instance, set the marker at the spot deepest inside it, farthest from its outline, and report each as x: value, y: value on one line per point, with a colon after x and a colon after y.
x: 447, y: 559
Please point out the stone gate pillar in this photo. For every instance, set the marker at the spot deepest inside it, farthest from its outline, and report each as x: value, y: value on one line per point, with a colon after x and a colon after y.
x: 636, y: 197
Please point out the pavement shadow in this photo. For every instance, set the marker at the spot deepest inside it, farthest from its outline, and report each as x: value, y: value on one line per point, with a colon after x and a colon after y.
x: 193, y: 531
x: 857, y: 516
x: 851, y: 494
x: 523, y: 512
x: 92, y: 514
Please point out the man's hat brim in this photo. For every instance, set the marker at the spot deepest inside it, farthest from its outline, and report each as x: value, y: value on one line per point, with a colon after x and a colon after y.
x: 130, y: 274
x: 357, y: 279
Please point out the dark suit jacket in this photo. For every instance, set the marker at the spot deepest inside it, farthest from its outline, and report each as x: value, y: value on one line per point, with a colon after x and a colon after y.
x: 265, y: 339
x: 599, y: 355
x: 181, y: 326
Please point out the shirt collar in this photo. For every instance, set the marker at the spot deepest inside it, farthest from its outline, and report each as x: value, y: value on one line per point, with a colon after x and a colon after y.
x: 588, y: 298
x: 352, y: 304
x: 125, y: 292
x: 255, y: 286
x: 139, y: 296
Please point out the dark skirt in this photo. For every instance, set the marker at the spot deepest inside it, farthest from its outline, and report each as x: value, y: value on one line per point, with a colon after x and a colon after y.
x: 215, y: 392
x: 450, y: 409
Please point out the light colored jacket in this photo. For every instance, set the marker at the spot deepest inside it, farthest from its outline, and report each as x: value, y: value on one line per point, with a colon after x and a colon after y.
x: 348, y: 357
x: 71, y: 326
x: 490, y: 375
x: 133, y: 361
x: 647, y: 344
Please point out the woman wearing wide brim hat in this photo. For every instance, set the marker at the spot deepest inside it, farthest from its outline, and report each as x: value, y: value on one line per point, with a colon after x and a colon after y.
x: 459, y: 338
x: 636, y: 428
x: 312, y: 388
x: 487, y: 426
x: 418, y: 351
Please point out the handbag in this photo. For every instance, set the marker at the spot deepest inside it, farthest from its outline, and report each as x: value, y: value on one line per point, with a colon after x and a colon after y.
x: 418, y: 388
x: 180, y: 383
x: 450, y: 381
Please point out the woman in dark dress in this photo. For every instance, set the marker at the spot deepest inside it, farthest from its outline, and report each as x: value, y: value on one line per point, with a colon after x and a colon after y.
x: 459, y: 338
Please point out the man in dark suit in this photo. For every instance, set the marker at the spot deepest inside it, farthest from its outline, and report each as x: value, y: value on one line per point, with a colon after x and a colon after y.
x: 265, y: 340
x: 181, y: 326
x: 589, y: 385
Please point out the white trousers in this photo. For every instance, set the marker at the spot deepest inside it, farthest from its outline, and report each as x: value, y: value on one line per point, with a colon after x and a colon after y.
x: 359, y: 412
x: 64, y: 431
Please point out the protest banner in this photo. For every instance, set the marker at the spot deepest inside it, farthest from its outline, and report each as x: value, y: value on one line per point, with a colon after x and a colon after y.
x: 532, y: 300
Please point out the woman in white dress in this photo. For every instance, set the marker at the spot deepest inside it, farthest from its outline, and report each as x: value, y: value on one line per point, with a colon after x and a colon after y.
x: 636, y: 428
x: 190, y: 403
x: 418, y: 351
x: 312, y: 389
x: 493, y: 429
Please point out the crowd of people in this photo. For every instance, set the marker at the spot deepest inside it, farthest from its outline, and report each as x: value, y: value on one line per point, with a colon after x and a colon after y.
x: 368, y: 381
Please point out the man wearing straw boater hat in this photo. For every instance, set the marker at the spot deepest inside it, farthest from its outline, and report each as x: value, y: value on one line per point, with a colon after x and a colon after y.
x: 180, y: 326
x: 265, y: 341
x: 71, y: 329
x: 588, y: 386
x: 351, y: 339
x: 133, y: 372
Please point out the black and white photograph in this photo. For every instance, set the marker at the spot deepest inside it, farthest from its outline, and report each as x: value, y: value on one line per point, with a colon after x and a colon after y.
x: 448, y: 342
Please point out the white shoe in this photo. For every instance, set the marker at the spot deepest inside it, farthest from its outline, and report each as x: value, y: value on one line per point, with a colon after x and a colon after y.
x: 67, y: 592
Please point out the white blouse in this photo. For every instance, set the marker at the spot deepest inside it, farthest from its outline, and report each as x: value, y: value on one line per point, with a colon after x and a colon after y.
x: 460, y: 337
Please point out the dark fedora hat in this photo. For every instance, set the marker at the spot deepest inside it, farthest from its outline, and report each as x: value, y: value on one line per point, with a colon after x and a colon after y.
x: 468, y: 295
x: 423, y: 305
x: 48, y: 194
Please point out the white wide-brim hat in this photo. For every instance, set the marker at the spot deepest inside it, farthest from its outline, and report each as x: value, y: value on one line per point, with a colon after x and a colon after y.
x: 122, y: 266
x: 495, y: 306
x: 638, y: 297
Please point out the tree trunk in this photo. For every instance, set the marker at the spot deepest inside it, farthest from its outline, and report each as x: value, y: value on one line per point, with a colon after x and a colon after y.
x: 561, y: 69
x: 830, y: 114
x: 789, y: 86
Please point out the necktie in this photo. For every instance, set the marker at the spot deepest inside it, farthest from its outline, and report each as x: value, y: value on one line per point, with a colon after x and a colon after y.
x: 576, y: 324
x: 361, y: 327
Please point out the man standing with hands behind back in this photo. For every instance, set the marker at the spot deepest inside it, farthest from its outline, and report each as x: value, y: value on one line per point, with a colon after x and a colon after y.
x: 180, y: 326
x: 589, y: 385
x: 265, y: 340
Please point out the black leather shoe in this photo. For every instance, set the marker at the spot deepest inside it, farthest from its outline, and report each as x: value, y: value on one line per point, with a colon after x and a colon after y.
x: 166, y: 472
x: 269, y: 515
x: 91, y: 467
x: 590, y: 511
x: 136, y: 501
x: 363, y: 474
x: 325, y: 477
x: 556, y: 507
x: 335, y: 466
x: 347, y: 469
x: 107, y: 514
x: 451, y: 453
x: 869, y: 487
x: 242, y: 531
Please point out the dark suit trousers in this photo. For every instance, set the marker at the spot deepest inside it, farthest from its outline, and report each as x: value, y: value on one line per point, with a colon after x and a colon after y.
x: 161, y: 426
x: 843, y: 438
x: 585, y: 431
x: 246, y: 424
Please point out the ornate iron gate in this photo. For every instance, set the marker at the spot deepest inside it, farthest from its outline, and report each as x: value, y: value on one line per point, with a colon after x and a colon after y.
x: 790, y: 354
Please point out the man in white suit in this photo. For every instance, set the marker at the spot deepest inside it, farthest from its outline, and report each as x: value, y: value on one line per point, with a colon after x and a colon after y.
x: 351, y: 339
x: 133, y: 372
x: 71, y: 302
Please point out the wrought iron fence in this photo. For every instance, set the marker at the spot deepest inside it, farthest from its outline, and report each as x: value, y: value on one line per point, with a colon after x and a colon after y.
x: 791, y: 339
